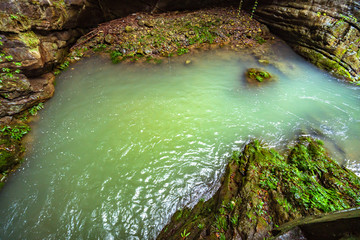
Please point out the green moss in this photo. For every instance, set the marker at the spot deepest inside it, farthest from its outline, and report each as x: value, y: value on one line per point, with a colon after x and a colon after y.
x: 262, y: 189
x: 30, y: 39
x: 327, y: 64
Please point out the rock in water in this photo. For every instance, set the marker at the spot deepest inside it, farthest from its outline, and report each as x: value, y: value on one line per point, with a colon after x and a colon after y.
x: 263, y: 189
x: 256, y: 76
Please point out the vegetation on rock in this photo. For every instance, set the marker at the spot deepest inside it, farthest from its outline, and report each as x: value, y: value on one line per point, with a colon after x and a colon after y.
x: 255, y: 76
x: 327, y: 35
x: 262, y: 189
x: 150, y: 38
x: 11, y: 149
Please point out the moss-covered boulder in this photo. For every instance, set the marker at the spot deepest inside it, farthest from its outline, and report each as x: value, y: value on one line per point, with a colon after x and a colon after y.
x: 263, y: 189
x: 257, y: 76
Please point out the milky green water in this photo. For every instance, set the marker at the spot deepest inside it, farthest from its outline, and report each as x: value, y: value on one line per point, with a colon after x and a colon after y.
x: 120, y: 147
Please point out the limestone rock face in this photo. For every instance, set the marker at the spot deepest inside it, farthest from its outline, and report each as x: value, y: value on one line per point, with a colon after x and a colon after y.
x: 325, y: 32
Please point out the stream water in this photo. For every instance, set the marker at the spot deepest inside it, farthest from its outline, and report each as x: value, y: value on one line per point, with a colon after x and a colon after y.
x: 120, y: 147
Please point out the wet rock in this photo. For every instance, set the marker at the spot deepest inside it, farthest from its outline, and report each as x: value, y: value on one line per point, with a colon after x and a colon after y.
x: 262, y: 189
x: 326, y: 34
x: 257, y: 76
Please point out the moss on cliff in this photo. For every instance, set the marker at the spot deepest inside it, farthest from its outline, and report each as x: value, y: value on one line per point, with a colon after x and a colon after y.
x: 263, y: 189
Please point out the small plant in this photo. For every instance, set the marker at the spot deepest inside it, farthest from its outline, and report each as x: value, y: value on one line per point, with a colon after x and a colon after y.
x: 15, y: 132
x: 254, y: 8
x: 9, y: 58
x: 234, y: 220
x: 201, y: 226
x: 222, y: 236
x: 182, y: 51
x: 260, y: 40
x: 114, y: 55
x: 221, y: 223
x: 222, y: 211
x: 185, y: 234
x: 179, y: 214
x: 100, y: 47
x: 33, y: 111
x: 64, y: 66
x: 231, y: 205
x: 13, y: 17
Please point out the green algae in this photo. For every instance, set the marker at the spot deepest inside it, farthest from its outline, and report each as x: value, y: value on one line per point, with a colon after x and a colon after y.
x: 262, y: 189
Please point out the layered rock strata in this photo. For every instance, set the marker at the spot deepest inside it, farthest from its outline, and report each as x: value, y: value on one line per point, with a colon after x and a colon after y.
x: 327, y: 33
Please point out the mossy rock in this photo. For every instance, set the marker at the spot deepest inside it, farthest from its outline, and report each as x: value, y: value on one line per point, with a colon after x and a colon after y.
x: 263, y: 189
x: 11, y: 149
x: 257, y: 76
x: 8, y: 156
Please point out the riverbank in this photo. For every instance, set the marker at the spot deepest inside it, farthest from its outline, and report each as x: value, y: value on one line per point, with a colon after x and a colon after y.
x: 152, y: 38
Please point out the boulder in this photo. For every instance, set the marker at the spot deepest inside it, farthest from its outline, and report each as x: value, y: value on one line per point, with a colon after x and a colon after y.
x: 262, y: 189
x: 257, y: 76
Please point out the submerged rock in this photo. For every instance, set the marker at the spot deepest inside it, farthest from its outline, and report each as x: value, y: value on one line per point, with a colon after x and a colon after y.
x: 262, y: 190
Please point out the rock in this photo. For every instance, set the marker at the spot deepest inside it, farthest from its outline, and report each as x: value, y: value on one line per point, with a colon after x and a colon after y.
x: 262, y: 189
x: 140, y: 51
x: 336, y: 225
x: 149, y: 24
x: 264, y: 61
x: 109, y: 38
x: 147, y: 51
x: 328, y: 35
x: 256, y: 76
x: 129, y: 29
x: 141, y: 22
x: 19, y: 93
